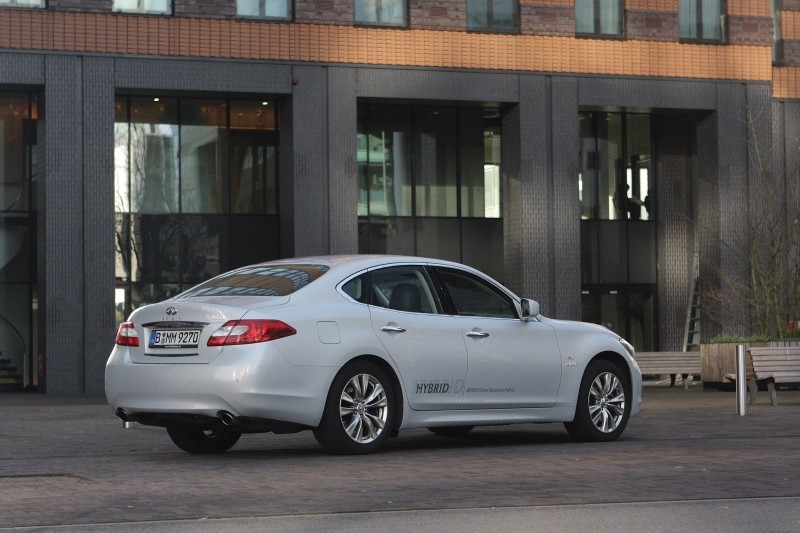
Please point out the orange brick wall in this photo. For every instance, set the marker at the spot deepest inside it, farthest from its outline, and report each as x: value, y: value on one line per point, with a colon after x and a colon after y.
x: 750, y: 8
x: 203, y: 37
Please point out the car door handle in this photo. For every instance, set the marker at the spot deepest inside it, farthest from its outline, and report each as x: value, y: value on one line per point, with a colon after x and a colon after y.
x: 393, y: 329
x: 477, y: 334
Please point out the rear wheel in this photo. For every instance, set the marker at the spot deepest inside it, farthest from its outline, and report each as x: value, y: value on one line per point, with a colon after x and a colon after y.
x: 604, y: 403
x: 451, y: 431
x: 359, y: 412
x: 194, y: 439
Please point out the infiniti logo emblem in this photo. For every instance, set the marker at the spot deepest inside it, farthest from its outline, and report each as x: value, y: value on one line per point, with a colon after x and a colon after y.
x: 172, y: 311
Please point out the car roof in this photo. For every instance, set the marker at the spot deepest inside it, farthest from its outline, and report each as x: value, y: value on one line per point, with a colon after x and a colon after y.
x: 359, y: 261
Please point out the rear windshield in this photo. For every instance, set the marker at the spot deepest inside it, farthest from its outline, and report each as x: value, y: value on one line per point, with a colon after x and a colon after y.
x: 259, y: 281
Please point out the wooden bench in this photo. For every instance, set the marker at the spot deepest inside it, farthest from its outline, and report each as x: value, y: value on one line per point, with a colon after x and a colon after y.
x: 774, y: 366
x: 672, y: 363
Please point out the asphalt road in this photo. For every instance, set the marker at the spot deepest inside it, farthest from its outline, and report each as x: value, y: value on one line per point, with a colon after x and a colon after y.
x: 687, y: 461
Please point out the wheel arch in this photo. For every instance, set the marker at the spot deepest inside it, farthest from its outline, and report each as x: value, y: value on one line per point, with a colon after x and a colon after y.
x: 615, y: 358
x: 392, y: 375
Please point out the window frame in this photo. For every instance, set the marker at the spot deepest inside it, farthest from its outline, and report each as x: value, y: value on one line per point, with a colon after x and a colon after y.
x: 596, y: 32
x: 287, y: 17
x: 490, y: 27
x: 14, y: 4
x: 142, y: 11
x: 449, y: 302
x: 699, y: 23
x: 377, y: 11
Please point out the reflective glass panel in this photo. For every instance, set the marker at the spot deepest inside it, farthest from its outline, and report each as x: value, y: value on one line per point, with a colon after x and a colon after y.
x: 155, y: 248
x: 16, y: 130
x: 23, y: 3
x: 380, y: 12
x: 143, y: 6
x: 254, y: 115
x: 700, y: 19
x: 153, y: 155
x: 492, y: 15
x: 438, y: 237
x: 263, y: 8
x: 202, y: 156
x: 435, y: 172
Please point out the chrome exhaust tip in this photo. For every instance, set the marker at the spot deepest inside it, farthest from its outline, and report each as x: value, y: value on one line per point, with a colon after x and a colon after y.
x: 127, y: 423
x: 227, y: 418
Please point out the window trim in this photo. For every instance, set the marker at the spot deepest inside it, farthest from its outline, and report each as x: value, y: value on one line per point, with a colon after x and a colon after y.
x: 379, y: 24
x: 288, y: 18
x: 698, y: 26
x: 596, y: 33
x: 490, y: 28
x: 166, y: 13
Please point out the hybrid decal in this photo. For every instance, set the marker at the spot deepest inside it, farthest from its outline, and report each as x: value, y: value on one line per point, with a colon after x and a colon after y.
x: 439, y: 386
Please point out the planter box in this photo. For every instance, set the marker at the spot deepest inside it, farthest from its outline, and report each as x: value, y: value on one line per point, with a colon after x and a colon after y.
x: 717, y: 360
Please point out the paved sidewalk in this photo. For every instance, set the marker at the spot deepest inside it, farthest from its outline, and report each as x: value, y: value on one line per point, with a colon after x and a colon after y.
x: 67, y: 460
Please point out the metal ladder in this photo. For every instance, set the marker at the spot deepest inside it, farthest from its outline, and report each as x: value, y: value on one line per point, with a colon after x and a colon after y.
x: 691, y: 335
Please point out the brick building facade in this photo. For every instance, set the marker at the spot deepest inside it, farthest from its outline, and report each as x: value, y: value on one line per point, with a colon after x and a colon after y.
x: 647, y: 98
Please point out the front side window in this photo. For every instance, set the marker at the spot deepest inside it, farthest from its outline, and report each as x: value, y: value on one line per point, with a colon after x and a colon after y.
x: 22, y: 3
x: 381, y: 12
x: 492, y: 15
x: 473, y: 296
x: 701, y: 19
x: 271, y: 9
x: 598, y: 17
x: 151, y: 7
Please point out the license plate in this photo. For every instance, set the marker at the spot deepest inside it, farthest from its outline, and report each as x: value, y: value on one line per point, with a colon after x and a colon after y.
x: 174, y: 338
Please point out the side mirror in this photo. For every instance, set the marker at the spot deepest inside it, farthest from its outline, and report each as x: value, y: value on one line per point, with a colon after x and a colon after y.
x: 529, y: 308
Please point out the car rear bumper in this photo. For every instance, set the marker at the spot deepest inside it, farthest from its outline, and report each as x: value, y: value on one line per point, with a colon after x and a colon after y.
x: 258, y: 384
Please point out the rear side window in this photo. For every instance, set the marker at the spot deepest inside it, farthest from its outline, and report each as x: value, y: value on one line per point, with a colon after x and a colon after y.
x: 403, y: 288
x: 260, y: 280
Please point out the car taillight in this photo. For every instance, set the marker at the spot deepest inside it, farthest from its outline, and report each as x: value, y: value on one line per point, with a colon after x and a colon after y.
x: 250, y: 332
x: 126, y: 335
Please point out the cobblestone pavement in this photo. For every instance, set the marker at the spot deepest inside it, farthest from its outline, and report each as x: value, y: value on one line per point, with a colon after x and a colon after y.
x: 67, y: 460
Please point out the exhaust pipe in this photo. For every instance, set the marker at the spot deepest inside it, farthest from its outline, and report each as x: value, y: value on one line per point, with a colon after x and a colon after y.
x: 227, y: 418
x: 127, y: 423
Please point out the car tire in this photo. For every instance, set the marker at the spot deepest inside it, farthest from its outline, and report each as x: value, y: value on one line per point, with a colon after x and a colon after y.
x: 453, y: 432
x: 359, y: 412
x: 194, y: 439
x: 604, y: 403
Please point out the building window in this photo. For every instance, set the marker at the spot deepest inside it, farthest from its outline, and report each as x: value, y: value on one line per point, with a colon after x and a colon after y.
x: 381, y: 12
x: 701, y: 20
x: 149, y: 7
x: 429, y: 183
x: 269, y: 9
x: 598, y: 17
x: 492, y: 15
x: 22, y: 3
x: 193, y: 178
x: 618, y: 231
x: 19, y: 364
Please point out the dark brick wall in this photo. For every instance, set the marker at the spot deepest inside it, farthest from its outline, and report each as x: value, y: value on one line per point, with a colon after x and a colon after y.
x: 324, y: 11
x: 750, y: 30
x: 791, y: 53
x: 438, y: 14
x: 651, y: 25
x: 547, y: 20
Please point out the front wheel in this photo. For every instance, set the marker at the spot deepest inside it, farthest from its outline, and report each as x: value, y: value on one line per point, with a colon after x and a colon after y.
x: 359, y: 412
x: 603, y: 406
x: 195, y: 439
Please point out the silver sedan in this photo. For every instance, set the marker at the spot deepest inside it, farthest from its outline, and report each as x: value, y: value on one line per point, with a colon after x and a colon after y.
x: 357, y: 348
